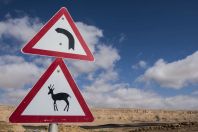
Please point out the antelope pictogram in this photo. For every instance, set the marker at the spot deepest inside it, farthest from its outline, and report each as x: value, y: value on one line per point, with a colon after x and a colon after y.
x: 58, y: 96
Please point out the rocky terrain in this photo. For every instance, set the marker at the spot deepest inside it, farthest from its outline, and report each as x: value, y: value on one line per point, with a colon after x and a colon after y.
x: 116, y: 120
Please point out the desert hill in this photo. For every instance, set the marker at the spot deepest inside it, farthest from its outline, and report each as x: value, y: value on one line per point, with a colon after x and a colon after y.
x: 115, y: 120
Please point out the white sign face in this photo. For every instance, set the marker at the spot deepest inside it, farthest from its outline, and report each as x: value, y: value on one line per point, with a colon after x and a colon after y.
x: 58, y: 41
x: 59, y: 37
x: 43, y: 102
x: 54, y: 98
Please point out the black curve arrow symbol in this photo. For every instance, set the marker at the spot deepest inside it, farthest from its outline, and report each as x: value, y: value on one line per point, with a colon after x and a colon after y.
x: 69, y: 35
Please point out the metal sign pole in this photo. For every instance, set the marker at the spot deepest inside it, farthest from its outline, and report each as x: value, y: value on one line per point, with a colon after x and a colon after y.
x: 53, y: 127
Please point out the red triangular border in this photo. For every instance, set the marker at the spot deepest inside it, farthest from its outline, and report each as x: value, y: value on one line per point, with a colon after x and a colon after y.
x: 63, y: 11
x: 17, y: 116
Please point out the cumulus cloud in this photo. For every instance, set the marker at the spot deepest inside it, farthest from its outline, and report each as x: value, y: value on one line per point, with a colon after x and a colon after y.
x: 140, y: 64
x: 177, y: 74
x: 10, y: 97
x: 195, y: 93
x: 16, y: 75
x: 14, y: 32
x: 20, y: 28
x: 16, y: 72
x: 105, y: 58
x: 105, y: 55
x: 90, y: 33
x: 105, y: 89
x: 10, y: 59
x: 24, y: 28
x: 182, y: 102
x: 42, y: 61
x: 102, y: 93
x: 17, y: 69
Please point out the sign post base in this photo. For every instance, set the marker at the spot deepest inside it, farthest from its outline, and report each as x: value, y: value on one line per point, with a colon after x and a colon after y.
x: 53, y: 127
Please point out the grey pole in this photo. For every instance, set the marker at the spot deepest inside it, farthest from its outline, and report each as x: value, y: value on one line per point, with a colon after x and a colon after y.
x: 53, y: 127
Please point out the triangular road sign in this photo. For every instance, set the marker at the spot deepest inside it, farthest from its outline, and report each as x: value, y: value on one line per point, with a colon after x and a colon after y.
x: 59, y: 37
x: 54, y: 98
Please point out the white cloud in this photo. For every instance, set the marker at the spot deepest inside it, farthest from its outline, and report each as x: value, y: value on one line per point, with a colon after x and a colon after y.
x: 176, y: 74
x: 10, y: 97
x: 102, y: 93
x: 16, y: 72
x: 182, y: 102
x: 90, y: 33
x: 105, y: 59
x: 9, y: 59
x: 195, y: 93
x: 105, y: 56
x: 24, y: 28
x: 140, y: 64
x: 21, y: 29
x: 42, y: 61
x: 104, y: 90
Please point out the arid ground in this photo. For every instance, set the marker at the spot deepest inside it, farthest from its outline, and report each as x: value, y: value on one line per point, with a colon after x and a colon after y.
x: 115, y: 120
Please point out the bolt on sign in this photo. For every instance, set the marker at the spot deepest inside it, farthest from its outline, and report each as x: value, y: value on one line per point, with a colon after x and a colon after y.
x: 55, y: 97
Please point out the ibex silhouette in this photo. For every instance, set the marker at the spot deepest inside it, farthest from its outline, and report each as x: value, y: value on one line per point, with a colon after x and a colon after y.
x: 58, y: 96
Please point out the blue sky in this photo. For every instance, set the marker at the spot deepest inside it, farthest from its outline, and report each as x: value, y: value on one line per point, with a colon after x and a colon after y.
x: 150, y: 49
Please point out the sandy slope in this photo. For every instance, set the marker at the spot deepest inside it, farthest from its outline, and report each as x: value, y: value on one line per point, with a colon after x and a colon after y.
x: 115, y: 120
x: 104, y: 116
